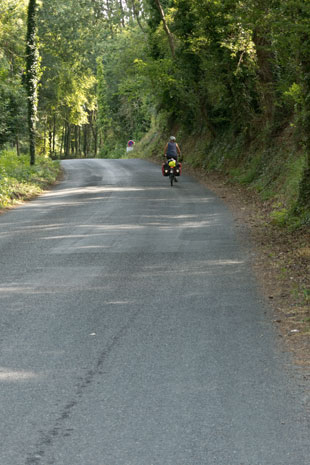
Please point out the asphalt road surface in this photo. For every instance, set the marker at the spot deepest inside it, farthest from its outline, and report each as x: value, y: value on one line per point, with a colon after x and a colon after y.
x: 132, y: 331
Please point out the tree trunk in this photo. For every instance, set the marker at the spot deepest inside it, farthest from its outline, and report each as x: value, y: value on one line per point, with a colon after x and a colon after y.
x: 44, y: 140
x: 32, y: 65
x: 122, y: 13
x: 134, y: 6
x: 95, y: 136
x: 109, y: 11
x: 65, y: 134
x: 79, y: 141
x: 50, y: 143
x: 62, y: 141
x: 68, y: 140
x: 166, y: 28
x: 76, y: 141
x: 265, y: 73
x: 17, y: 146
x: 92, y: 122
x: 54, y: 135
x: 85, y: 140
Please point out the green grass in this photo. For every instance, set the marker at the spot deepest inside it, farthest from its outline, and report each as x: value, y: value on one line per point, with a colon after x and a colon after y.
x: 20, y: 181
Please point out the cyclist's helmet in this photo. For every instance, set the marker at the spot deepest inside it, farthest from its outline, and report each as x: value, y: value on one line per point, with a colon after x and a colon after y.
x: 172, y: 138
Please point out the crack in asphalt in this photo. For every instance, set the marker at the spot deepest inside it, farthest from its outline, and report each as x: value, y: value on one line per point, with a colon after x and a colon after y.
x: 47, y: 439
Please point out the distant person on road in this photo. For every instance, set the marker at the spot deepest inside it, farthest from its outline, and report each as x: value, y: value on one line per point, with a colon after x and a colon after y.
x: 172, y: 150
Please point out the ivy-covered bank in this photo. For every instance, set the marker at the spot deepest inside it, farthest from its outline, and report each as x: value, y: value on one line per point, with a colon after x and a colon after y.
x: 20, y: 181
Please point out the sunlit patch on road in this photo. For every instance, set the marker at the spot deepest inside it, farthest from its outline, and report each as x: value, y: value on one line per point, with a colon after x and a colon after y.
x: 7, y: 374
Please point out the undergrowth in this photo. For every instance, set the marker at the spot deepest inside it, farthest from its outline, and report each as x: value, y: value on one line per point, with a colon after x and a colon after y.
x: 20, y: 181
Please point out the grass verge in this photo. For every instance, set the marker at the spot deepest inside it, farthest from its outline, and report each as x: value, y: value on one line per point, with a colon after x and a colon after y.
x: 19, y: 181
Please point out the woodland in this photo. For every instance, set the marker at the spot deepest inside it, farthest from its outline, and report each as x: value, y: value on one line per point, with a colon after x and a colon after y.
x: 229, y: 78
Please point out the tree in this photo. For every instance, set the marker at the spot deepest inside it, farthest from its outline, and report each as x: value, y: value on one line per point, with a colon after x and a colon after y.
x: 104, y: 119
x: 13, y: 108
x: 32, y: 75
x: 166, y: 27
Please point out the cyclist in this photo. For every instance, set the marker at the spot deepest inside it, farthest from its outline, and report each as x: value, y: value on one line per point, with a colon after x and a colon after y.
x: 172, y: 150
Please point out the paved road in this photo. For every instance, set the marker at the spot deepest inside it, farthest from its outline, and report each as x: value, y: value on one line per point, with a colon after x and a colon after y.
x: 132, y: 332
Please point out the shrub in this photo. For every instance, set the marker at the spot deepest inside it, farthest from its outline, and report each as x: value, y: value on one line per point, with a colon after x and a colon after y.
x: 19, y: 180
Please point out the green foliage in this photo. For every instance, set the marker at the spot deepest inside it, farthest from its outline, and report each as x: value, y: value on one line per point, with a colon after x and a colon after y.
x: 20, y: 180
x: 113, y: 150
x: 12, y: 108
x: 280, y: 217
x: 12, y: 96
x: 237, y: 85
x: 125, y: 100
x: 104, y: 119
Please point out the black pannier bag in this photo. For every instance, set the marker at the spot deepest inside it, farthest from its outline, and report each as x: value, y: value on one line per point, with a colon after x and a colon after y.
x: 178, y: 169
x: 165, y: 169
